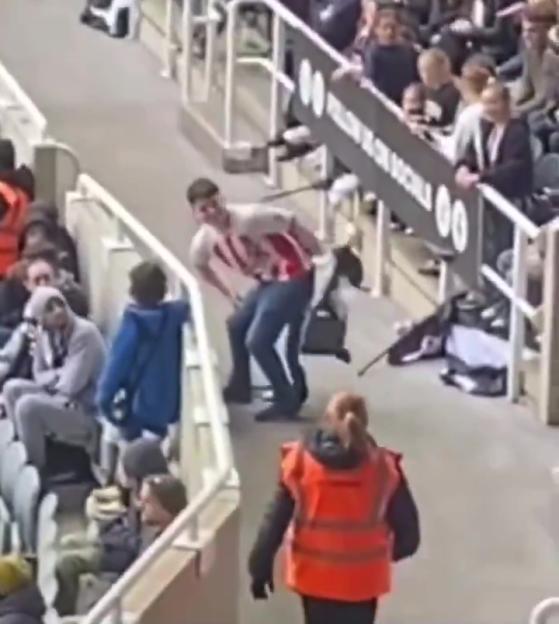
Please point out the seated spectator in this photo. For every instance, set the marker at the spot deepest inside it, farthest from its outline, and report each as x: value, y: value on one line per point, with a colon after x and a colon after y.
x: 21, y: 601
x: 38, y: 270
x: 58, y: 403
x: 16, y: 191
x: 42, y: 229
x: 533, y: 88
x: 413, y: 106
x: 499, y: 155
x: 336, y: 21
x: 155, y: 499
x: 478, y: 25
x: 17, y: 177
x: 59, y: 235
x: 390, y: 64
x: 39, y: 267
x: 140, y: 388
x: 441, y: 95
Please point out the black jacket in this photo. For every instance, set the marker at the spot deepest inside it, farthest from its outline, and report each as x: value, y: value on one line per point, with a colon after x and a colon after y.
x: 391, y: 68
x: 512, y: 173
x: 24, y: 607
x: 401, y: 514
x: 58, y: 236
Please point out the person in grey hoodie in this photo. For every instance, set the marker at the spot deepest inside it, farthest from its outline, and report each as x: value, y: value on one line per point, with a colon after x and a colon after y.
x: 59, y: 401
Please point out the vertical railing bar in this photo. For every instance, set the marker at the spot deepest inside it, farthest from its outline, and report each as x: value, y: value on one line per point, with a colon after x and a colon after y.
x: 517, y: 323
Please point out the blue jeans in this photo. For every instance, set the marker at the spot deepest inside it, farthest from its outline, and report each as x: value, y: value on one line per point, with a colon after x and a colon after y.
x: 254, y: 329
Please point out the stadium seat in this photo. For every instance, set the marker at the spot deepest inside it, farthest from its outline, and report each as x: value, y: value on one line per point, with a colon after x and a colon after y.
x: 12, y: 461
x: 546, y: 172
x: 25, y: 507
x: 7, y: 433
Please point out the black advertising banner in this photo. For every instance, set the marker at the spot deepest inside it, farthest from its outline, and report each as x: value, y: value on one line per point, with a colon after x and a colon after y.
x: 414, y: 180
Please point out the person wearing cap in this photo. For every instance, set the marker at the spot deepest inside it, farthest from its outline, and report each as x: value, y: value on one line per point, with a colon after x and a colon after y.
x: 20, y: 599
x: 117, y: 523
x: 59, y: 401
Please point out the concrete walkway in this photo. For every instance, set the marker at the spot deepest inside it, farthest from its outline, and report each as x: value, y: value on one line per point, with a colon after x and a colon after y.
x: 480, y: 468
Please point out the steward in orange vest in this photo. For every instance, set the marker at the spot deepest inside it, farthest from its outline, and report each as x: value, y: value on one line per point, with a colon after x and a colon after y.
x: 347, y: 511
x: 16, y: 192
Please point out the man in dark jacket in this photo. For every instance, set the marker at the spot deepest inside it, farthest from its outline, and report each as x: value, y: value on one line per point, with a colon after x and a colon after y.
x: 500, y: 156
x: 20, y: 599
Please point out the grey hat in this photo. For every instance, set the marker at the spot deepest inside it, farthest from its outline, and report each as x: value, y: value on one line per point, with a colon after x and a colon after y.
x: 143, y: 458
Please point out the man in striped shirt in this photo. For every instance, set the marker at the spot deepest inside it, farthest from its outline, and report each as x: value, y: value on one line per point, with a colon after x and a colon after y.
x: 270, y: 246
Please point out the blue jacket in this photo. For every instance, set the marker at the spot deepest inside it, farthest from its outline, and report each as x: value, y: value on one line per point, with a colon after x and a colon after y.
x: 148, y: 344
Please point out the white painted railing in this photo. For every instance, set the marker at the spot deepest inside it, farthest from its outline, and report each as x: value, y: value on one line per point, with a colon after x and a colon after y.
x: 20, y: 120
x: 544, y: 610
x: 524, y: 230
x: 223, y: 475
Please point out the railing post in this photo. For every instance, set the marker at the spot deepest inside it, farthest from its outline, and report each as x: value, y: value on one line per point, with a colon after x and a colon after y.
x: 549, y: 365
x: 211, y: 38
x: 230, y: 66
x: 326, y: 212
x: 168, y: 46
x: 517, y: 321
x: 278, y: 54
x: 445, y: 282
x: 381, y: 283
x: 186, y: 29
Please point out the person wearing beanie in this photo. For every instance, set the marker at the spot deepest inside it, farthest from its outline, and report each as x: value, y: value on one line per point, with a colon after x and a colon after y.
x: 119, y: 539
x: 42, y: 227
x: 20, y: 599
x: 58, y: 402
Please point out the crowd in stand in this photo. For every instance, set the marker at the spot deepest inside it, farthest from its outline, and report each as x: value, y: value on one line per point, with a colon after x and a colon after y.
x: 81, y: 407
x: 478, y: 79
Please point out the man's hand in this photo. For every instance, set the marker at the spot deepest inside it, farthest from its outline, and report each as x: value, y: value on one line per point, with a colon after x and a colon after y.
x: 465, y: 179
x: 262, y: 589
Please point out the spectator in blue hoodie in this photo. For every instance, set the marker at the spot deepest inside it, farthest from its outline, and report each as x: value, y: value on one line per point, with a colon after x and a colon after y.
x: 139, y: 390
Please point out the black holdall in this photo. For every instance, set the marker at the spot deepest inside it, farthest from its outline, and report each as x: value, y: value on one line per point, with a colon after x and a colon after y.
x: 327, y: 328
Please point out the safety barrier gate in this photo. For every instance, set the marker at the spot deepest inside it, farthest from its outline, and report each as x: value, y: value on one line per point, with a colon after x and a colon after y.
x: 110, y: 240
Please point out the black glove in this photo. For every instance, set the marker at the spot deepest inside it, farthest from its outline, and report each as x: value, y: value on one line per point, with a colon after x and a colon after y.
x: 262, y: 588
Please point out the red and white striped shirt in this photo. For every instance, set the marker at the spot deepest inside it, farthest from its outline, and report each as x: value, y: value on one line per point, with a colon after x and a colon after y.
x: 261, y: 243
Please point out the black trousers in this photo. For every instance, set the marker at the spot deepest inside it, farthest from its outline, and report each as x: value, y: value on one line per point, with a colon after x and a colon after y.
x: 322, y: 611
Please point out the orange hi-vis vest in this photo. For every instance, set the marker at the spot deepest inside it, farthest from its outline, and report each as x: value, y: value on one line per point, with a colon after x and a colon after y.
x: 11, y: 225
x: 339, y: 546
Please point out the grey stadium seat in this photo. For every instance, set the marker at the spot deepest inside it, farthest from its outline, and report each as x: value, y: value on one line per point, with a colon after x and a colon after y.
x: 25, y: 507
x: 12, y: 461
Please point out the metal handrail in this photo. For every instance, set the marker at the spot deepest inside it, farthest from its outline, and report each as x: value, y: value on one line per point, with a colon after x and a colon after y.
x: 541, y: 612
x: 22, y: 99
x: 111, y: 601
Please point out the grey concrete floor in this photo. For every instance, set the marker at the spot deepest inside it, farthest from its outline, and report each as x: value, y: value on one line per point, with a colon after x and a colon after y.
x: 480, y: 468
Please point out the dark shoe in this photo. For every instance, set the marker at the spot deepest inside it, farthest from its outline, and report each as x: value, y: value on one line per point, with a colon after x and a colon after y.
x: 303, y: 391
x: 277, y: 141
x: 274, y: 414
x: 432, y: 268
x: 232, y: 395
x: 295, y: 151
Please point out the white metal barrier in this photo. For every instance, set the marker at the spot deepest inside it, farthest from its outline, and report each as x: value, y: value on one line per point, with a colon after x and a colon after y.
x: 20, y: 120
x: 524, y: 229
x: 544, y: 610
x: 223, y: 473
